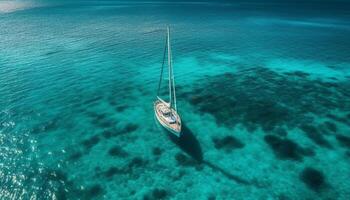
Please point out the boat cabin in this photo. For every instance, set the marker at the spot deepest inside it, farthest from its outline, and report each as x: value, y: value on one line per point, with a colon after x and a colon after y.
x: 167, y: 114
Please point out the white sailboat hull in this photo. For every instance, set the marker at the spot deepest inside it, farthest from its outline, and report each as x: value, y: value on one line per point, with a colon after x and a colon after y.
x: 172, y: 125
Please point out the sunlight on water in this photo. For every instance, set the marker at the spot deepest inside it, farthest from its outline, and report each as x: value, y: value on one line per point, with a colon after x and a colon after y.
x: 8, y: 6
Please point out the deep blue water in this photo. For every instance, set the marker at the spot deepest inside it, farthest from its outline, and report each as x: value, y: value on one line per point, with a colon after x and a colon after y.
x: 262, y: 89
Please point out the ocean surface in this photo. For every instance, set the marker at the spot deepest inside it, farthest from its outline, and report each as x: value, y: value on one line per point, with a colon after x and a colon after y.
x: 263, y: 91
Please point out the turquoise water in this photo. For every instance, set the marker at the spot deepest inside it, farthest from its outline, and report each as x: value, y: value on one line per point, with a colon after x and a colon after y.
x: 263, y: 93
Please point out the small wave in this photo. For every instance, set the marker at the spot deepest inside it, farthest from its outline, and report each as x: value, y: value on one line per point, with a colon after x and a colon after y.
x: 322, y: 23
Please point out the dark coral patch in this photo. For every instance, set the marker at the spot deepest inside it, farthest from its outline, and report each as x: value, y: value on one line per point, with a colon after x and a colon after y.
x: 101, y: 120
x: 283, y: 148
x: 227, y: 143
x: 156, y: 194
x: 299, y: 74
x: 331, y: 126
x: 157, y: 151
x: 51, y: 125
x: 307, y: 152
x: 75, y: 156
x: 313, y: 178
x: 134, y: 164
x: 113, y: 171
x: 94, y: 191
x: 130, y: 128
x: 343, y: 140
x: 283, y: 197
x: 281, y: 132
x: 106, y: 123
x: 121, y: 108
x: 308, y: 128
x: 197, y: 99
x: 333, y: 67
x: 118, y: 152
x: 89, y: 143
x: 211, y: 197
x: 159, y: 193
x: 127, y: 169
x: 287, y: 149
x: 315, y: 135
x: 137, y: 162
x: 347, y: 154
x: 267, y: 114
x: 261, y: 98
x: 108, y: 134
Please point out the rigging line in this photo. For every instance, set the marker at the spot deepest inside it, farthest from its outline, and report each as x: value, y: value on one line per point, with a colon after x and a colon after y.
x: 161, y: 72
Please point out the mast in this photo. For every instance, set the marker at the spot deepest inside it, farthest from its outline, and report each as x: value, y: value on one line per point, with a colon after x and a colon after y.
x: 173, y: 79
x: 169, y: 66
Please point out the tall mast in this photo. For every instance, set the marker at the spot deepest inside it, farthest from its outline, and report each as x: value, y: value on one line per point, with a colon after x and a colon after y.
x: 173, y: 79
x: 169, y: 65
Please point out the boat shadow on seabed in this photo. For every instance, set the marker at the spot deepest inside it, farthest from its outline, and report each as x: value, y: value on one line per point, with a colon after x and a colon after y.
x: 188, y: 143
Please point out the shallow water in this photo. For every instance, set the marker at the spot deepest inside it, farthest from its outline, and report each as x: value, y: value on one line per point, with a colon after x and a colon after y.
x: 264, y: 97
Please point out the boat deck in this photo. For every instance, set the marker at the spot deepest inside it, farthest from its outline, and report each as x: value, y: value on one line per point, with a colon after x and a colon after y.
x: 169, y: 118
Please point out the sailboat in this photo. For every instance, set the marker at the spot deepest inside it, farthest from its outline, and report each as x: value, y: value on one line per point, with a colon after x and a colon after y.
x: 166, y: 112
